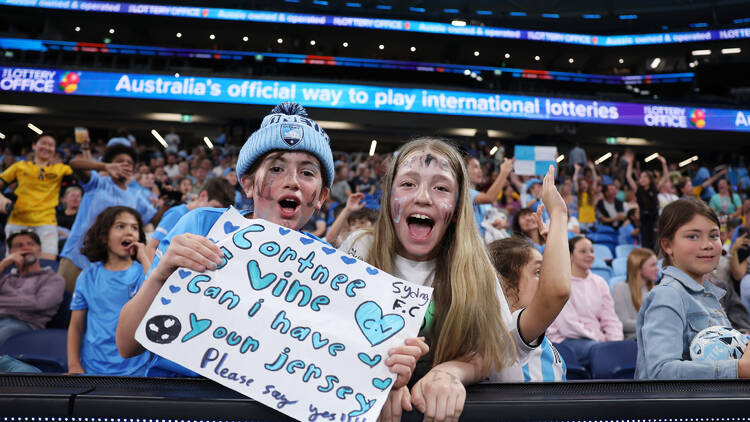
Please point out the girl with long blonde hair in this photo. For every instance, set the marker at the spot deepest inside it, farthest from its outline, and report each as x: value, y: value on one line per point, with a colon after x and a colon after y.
x: 426, y: 234
x: 643, y: 271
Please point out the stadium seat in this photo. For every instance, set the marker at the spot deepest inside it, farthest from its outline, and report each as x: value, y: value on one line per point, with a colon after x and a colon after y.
x: 46, y: 349
x: 602, y: 251
x: 620, y: 266
x: 49, y: 263
x: 614, y: 360
x: 604, y: 229
x: 573, y: 369
x: 616, y: 279
x: 62, y: 317
x: 622, y: 251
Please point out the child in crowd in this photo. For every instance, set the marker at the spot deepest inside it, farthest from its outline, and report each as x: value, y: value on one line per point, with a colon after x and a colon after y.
x: 630, y: 232
x: 684, y: 302
x: 115, y: 247
x: 642, y: 273
x: 100, y: 192
x: 526, y: 225
x: 483, y: 200
x: 536, y: 289
x: 589, y: 316
x: 353, y: 216
x: 426, y: 234
x: 216, y: 192
x: 287, y: 179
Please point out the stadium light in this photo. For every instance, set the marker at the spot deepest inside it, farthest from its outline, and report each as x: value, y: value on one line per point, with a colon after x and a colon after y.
x: 493, y: 150
x: 78, y: 29
x: 373, y: 145
x: 2, y: 135
x: 537, y: 58
x: 178, y: 35
x: 159, y: 138
x: 688, y: 161
x: 655, y: 63
x: 560, y: 158
x: 735, y: 50
x: 34, y: 128
x: 603, y: 158
x: 208, y: 142
x: 701, y: 52
x: 651, y: 157
x: 458, y: 23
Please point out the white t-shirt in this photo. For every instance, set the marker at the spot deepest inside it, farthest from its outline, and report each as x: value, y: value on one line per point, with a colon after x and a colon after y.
x: 358, y: 245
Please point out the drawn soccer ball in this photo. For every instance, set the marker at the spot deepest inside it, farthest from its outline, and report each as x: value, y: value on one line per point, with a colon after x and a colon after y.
x: 163, y: 329
x: 717, y: 343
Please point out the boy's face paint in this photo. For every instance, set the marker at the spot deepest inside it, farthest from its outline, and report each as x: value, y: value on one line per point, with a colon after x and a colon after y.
x: 423, y: 201
x: 287, y: 189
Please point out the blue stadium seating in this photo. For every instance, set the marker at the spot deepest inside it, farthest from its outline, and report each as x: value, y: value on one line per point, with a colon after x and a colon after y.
x: 602, y: 251
x: 622, y: 251
x: 614, y: 360
x: 620, y: 266
x: 46, y: 349
x: 603, y: 272
x: 574, y: 370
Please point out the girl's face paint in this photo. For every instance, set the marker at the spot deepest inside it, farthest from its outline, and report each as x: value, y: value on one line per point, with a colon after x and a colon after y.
x: 287, y: 189
x: 423, y: 202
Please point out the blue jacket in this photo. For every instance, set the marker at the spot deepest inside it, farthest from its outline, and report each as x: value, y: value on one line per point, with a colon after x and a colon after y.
x: 670, y: 317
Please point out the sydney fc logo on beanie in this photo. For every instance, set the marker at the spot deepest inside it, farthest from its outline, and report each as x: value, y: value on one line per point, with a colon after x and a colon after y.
x: 291, y: 134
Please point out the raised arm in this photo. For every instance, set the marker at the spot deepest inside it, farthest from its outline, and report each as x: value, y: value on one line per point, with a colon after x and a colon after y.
x: 497, y: 186
x: 664, y: 171
x: 594, y: 176
x: 710, y: 181
x: 554, y: 282
x: 83, y: 167
x: 576, y: 172
x: 353, y: 203
x: 629, y: 172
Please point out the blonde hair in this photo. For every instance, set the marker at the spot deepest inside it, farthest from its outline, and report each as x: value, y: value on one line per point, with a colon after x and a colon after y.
x: 634, y: 278
x: 467, y: 317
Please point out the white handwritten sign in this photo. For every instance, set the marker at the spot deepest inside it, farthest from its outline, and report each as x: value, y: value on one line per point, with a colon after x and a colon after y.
x: 288, y: 321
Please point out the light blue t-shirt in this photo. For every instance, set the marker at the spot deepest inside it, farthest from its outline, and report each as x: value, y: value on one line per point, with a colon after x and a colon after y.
x: 198, y: 221
x: 168, y: 220
x: 144, y: 192
x: 100, y: 193
x: 480, y: 210
x: 103, y: 293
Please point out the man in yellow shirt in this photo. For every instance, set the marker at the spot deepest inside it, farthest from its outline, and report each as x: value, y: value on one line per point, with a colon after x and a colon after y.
x: 38, y: 192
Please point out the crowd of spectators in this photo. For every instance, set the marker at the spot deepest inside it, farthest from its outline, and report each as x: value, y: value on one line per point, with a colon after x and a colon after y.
x: 54, y: 190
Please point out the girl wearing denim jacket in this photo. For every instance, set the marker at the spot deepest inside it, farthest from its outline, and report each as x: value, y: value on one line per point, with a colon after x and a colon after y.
x: 684, y: 303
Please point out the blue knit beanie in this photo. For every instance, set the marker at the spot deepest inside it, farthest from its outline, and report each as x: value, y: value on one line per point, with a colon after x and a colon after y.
x: 287, y: 128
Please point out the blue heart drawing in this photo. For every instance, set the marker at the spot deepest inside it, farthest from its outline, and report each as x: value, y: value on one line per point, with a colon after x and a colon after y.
x: 381, y: 383
x: 306, y: 240
x: 229, y: 227
x: 328, y: 251
x: 174, y: 289
x: 348, y: 260
x: 375, y: 326
x: 372, y: 271
x: 165, y: 301
x: 283, y: 231
x: 367, y: 360
x: 184, y: 273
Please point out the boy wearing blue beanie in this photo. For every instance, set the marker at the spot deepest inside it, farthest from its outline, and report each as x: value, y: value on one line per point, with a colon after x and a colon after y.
x: 285, y: 167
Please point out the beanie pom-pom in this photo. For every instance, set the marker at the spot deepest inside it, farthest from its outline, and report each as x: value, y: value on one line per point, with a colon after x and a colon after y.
x: 289, y: 108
